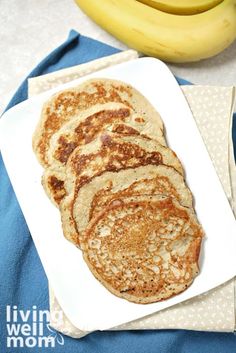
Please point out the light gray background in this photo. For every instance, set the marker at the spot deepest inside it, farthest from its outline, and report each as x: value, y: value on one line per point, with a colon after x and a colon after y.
x: 30, y: 29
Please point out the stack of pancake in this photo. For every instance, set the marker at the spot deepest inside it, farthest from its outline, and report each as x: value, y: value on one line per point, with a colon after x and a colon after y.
x: 120, y: 190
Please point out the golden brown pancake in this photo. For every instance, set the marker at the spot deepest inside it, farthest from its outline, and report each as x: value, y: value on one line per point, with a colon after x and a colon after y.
x: 113, y: 117
x: 108, y: 152
x: 113, y: 150
x: 144, y: 248
x: 70, y: 103
x: 97, y: 194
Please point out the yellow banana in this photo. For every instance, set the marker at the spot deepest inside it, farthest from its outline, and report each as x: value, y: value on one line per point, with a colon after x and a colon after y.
x: 173, y: 38
x: 182, y: 7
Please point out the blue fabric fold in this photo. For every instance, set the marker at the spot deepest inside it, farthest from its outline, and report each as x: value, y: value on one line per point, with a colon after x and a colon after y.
x: 23, y: 282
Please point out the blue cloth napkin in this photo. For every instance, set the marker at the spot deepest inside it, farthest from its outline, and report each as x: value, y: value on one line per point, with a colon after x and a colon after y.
x: 23, y: 283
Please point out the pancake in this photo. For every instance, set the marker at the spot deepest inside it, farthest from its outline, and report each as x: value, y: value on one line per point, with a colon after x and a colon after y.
x: 94, y: 196
x: 144, y: 249
x: 108, y: 152
x: 81, y: 130
x: 70, y: 103
x: 112, y: 152
x: 84, y: 128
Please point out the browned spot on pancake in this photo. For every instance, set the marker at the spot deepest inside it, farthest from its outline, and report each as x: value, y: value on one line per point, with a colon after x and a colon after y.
x: 66, y: 147
x: 125, y: 130
x: 139, y: 120
x: 58, y: 188
x: 122, y: 89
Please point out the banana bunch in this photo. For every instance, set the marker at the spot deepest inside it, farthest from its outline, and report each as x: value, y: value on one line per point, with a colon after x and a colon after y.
x: 172, y: 30
x: 182, y: 7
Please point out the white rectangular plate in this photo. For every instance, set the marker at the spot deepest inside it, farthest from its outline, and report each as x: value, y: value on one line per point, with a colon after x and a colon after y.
x: 84, y: 300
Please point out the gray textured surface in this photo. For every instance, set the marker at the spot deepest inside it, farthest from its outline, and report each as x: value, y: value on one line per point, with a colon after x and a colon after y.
x: 30, y: 29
